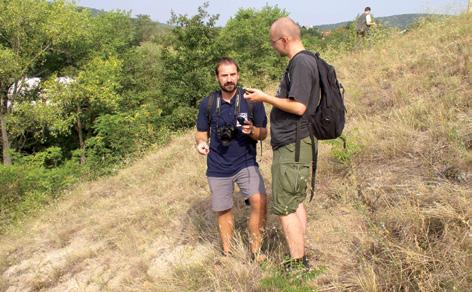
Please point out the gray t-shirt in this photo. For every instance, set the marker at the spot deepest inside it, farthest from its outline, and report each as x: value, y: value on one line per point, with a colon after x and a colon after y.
x: 300, y: 81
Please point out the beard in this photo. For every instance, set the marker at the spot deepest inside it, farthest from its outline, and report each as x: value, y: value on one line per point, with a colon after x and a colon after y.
x: 228, y: 87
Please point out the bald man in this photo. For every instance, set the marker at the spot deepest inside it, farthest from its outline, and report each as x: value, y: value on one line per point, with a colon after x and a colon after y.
x: 289, y: 178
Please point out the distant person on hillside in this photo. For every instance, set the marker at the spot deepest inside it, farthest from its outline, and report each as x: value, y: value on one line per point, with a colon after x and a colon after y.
x: 364, y: 22
x: 233, y: 127
x: 289, y: 125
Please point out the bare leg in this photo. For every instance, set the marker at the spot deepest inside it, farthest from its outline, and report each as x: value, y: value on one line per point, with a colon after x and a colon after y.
x: 225, y: 224
x: 301, y: 214
x: 257, y: 220
x: 294, y: 230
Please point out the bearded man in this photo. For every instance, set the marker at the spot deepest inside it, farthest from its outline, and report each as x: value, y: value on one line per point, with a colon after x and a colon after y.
x: 233, y: 127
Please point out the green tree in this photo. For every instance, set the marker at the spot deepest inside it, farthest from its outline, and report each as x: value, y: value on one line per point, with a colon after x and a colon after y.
x: 313, y: 38
x: 188, y: 60
x: 30, y: 30
x: 142, y: 68
x: 246, y: 38
x: 113, y: 33
x: 8, y: 70
x: 148, y: 30
x: 93, y: 92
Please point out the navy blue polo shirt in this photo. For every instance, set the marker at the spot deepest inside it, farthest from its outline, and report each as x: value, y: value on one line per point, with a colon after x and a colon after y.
x: 225, y: 161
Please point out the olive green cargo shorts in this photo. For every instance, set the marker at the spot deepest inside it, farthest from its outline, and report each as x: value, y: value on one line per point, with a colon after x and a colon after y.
x: 290, y: 178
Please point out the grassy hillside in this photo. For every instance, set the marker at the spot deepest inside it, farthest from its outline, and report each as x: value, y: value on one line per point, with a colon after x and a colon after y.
x: 392, y: 212
x: 401, y: 21
x: 411, y: 122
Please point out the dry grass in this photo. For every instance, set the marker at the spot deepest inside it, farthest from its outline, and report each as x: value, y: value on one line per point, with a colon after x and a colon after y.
x: 392, y: 213
x: 411, y: 115
x: 113, y: 232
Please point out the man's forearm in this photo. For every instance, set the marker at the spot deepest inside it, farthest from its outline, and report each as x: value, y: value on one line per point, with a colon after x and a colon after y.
x: 258, y: 133
x: 286, y: 104
x: 201, y: 137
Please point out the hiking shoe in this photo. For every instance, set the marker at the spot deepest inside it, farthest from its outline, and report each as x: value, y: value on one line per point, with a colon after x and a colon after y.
x: 297, y: 265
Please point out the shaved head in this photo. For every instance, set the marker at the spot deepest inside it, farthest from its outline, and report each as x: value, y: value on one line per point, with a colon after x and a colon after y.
x: 285, y: 37
x: 285, y: 27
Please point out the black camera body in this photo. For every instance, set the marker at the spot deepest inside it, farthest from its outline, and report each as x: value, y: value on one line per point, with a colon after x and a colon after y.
x: 241, y: 120
x: 226, y: 134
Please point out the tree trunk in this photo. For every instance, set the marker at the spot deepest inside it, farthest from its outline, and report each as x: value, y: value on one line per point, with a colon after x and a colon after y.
x: 5, y: 141
x: 81, y: 139
x: 3, y: 125
x: 470, y: 6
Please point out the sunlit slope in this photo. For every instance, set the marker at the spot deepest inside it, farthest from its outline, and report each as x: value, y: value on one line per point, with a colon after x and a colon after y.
x: 392, y: 212
x: 410, y: 125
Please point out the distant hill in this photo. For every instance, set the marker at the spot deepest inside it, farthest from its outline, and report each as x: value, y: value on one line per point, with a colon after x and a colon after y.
x: 401, y: 21
x: 93, y: 11
x: 146, y: 28
x: 96, y: 12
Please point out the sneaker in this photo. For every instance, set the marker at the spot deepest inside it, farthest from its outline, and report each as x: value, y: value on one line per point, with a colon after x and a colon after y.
x: 297, y: 265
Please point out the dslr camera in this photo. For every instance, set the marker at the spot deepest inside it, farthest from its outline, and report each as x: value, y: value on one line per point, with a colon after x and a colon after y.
x: 226, y: 134
x: 242, y: 119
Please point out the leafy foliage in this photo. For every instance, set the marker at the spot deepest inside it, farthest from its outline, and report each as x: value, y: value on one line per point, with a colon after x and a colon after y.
x: 188, y: 59
x: 148, y: 30
x: 112, y: 86
x: 9, y: 63
x: 246, y: 38
x: 25, y: 187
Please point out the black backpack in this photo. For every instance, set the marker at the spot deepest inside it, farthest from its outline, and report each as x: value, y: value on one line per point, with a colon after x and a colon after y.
x: 328, y: 118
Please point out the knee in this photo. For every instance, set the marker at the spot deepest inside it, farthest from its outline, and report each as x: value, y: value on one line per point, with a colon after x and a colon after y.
x: 224, y: 212
x: 258, y: 201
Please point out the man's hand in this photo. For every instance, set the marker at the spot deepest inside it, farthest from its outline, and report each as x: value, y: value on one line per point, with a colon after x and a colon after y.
x: 247, y: 127
x: 255, y: 95
x: 203, y: 148
x: 289, y: 105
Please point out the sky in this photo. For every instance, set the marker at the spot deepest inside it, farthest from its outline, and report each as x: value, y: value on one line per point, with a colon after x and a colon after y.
x: 305, y: 12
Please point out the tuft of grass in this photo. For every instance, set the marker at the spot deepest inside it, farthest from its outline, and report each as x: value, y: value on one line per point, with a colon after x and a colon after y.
x: 345, y: 148
x: 194, y: 277
x: 296, y: 281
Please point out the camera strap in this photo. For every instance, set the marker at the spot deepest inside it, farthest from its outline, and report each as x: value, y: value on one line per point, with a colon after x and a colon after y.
x: 237, y: 108
x: 218, y: 111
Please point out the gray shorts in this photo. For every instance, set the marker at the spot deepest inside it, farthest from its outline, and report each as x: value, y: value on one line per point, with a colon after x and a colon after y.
x: 249, y: 180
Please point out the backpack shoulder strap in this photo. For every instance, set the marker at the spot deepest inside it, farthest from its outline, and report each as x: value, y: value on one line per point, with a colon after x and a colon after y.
x: 211, y: 101
x: 314, y: 147
x: 250, y: 109
x: 297, y: 134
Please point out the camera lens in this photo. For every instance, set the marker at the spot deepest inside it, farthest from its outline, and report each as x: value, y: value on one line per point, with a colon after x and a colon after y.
x: 241, y: 120
x: 226, y: 134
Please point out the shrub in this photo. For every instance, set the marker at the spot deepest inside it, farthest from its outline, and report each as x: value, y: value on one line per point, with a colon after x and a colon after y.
x: 25, y: 188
